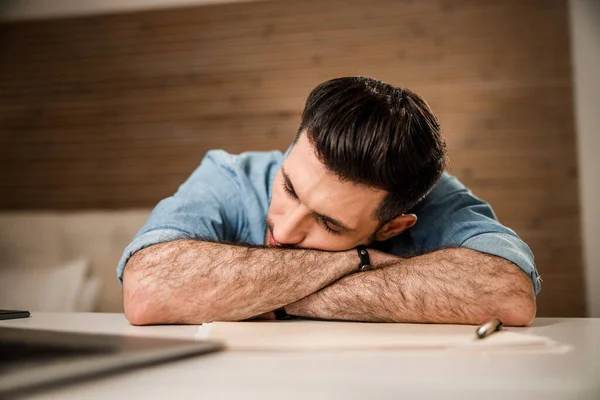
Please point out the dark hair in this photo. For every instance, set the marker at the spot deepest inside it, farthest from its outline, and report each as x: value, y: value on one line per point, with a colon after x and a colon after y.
x: 371, y: 133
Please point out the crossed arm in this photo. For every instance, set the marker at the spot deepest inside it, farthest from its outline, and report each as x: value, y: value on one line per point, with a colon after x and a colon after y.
x: 187, y: 281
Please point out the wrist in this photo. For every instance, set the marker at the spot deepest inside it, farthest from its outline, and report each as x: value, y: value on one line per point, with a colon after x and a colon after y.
x: 351, y: 261
x: 381, y: 260
x: 301, y: 308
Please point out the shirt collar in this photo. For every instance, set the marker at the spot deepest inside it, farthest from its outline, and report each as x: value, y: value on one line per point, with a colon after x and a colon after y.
x: 274, y: 169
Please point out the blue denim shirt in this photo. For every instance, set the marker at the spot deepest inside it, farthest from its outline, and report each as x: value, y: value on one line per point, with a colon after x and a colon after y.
x: 227, y: 197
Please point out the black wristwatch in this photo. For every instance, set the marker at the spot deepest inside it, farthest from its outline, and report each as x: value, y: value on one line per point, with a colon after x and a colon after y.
x: 365, y: 260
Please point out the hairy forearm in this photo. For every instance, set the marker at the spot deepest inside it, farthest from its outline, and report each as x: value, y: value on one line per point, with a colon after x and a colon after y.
x: 459, y: 286
x: 188, y: 281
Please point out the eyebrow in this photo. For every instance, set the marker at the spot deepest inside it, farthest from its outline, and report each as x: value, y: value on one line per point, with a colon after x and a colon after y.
x: 333, y: 221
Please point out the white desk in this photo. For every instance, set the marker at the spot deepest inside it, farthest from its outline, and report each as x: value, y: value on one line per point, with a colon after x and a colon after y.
x: 345, y: 375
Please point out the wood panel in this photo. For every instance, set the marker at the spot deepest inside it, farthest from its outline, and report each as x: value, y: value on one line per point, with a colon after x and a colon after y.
x: 115, y: 111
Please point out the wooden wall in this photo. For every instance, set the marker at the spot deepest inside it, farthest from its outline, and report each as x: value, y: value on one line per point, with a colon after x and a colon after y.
x: 115, y: 111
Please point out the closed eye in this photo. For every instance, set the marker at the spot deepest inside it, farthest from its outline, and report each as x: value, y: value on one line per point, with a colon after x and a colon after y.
x: 329, y: 224
x: 289, y: 191
x: 328, y: 227
x: 324, y: 223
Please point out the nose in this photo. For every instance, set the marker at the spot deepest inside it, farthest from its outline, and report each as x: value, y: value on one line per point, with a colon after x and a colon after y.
x: 290, y: 229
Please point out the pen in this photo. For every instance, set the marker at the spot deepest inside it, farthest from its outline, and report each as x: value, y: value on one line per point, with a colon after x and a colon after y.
x: 488, y: 328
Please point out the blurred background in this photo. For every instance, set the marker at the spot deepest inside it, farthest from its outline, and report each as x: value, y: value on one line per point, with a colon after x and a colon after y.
x: 107, y: 106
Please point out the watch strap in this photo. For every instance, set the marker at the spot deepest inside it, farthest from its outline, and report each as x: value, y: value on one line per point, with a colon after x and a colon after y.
x: 365, y: 260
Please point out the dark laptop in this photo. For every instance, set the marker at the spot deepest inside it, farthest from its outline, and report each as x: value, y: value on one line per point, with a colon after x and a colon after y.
x: 32, y: 360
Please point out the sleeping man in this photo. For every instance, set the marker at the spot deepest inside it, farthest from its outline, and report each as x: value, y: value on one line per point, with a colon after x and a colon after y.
x: 357, y: 221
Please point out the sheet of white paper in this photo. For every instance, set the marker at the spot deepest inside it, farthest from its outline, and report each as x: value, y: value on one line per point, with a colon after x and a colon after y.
x: 203, y: 331
x: 325, y: 335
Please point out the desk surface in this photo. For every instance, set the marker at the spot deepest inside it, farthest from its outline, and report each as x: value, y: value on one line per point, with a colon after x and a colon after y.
x: 574, y: 374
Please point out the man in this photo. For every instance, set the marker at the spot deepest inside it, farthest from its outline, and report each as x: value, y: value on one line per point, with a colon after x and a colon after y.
x: 366, y: 168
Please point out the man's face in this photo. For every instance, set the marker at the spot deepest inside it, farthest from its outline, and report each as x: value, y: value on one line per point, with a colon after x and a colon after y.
x: 312, y: 208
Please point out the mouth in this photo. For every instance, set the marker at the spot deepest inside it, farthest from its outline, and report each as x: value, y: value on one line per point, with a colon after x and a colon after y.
x: 272, y: 241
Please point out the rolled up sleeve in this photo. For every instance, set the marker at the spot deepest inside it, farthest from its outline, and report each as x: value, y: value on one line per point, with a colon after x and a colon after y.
x: 144, y: 240
x: 451, y: 216
x: 205, y: 207
x: 508, y: 247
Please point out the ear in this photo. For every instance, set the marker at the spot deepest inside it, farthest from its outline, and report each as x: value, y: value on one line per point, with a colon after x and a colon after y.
x: 395, y: 227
